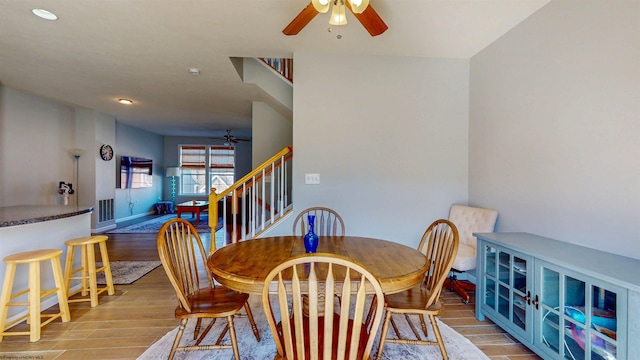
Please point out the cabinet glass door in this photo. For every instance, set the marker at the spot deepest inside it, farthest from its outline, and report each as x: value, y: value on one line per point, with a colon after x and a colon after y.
x: 604, y: 323
x: 505, y: 288
x: 548, y: 303
x: 520, y: 294
x: 489, y: 273
x: 578, y: 318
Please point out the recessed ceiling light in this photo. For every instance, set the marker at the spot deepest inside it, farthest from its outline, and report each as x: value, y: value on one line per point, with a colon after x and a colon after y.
x: 125, y: 101
x: 44, y: 14
x: 194, y: 71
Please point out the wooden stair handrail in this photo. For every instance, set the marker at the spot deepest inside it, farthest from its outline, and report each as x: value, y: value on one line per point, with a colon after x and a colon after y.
x: 286, y: 151
x: 251, y: 178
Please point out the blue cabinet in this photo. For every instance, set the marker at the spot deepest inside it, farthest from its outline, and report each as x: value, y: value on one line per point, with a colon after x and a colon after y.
x: 561, y: 300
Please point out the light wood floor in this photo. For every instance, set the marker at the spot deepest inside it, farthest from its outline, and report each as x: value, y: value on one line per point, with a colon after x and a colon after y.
x: 124, y: 325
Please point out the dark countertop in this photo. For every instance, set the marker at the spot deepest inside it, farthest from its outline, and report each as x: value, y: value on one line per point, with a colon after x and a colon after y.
x: 29, y: 214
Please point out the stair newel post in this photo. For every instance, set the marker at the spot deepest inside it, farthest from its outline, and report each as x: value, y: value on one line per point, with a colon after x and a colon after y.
x: 213, y: 218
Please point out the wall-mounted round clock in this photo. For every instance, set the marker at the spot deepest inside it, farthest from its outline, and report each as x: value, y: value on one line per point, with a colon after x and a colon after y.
x: 106, y: 152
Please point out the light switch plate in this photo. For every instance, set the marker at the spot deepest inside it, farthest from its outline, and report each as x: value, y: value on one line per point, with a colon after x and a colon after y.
x: 312, y: 179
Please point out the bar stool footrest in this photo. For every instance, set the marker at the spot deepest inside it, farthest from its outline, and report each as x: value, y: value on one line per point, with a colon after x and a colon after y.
x: 51, y: 318
x: 16, y: 321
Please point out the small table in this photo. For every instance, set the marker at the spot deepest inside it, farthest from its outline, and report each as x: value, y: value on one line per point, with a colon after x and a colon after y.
x: 194, y: 207
x: 244, y: 265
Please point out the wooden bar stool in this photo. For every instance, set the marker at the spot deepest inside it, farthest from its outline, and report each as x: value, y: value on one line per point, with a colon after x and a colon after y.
x: 35, y: 294
x: 88, y: 269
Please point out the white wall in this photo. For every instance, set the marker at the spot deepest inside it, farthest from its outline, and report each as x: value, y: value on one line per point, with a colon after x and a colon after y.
x: 276, y: 91
x: 35, y: 138
x: 271, y: 132
x: 554, y: 125
x: 131, y: 141
x: 388, y: 136
x: 96, y: 176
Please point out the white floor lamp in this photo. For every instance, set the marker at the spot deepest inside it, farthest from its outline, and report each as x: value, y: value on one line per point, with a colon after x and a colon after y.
x: 76, y: 154
x: 172, y: 172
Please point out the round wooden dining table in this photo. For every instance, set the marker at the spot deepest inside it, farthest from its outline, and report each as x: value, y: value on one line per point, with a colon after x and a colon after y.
x: 243, y: 266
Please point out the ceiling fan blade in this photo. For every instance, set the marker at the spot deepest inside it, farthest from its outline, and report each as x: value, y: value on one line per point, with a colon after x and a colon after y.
x: 306, y: 15
x: 370, y: 19
x: 234, y: 139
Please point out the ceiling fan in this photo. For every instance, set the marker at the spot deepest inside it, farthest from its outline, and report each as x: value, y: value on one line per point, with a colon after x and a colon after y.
x: 229, y: 139
x: 361, y: 9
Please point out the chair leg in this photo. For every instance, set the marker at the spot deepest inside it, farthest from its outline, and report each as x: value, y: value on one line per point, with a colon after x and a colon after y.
x: 222, y: 334
x: 461, y: 288
x: 61, y: 291
x: 395, y: 328
x: 5, y: 297
x: 34, y: 301
x: 448, y: 283
x: 383, y: 333
x: 413, y: 328
x: 424, y: 326
x: 251, y: 321
x: 84, y: 271
x: 436, y: 332
x: 104, y: 256
x: 93, y: 282
x: 196, y: 329
x: 232, y: 335
x: 205, y: 332
x: 68, y: 268
x: 372, y: 310
x: 176, y: 342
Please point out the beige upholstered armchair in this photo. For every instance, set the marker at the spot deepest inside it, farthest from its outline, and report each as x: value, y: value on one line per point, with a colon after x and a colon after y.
x: 468, y: 220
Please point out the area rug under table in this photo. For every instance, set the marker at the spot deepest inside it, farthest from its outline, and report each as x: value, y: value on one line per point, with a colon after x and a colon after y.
x: 127, y: 272
x: 458, y: 347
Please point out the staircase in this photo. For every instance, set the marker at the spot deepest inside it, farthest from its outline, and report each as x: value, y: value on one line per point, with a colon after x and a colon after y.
x: 282, y: 66
x: 256, y: 202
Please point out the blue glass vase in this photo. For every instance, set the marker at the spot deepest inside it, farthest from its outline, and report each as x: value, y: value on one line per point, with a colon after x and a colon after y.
x: 311, y: 239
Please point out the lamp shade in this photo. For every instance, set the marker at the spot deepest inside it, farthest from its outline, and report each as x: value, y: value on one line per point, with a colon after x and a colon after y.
x: 172, y: 171
x: 322, y: 6
x: 338, y: 16
x: 358, y: 6
x: 76, y: 152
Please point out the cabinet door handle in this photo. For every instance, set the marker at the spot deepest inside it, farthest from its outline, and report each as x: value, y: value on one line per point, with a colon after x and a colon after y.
x: 528, y: 298
x: 536, y: 302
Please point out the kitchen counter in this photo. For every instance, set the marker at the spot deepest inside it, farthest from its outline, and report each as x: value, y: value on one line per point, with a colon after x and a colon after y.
x: 29, y: 214
x: 33, y: 227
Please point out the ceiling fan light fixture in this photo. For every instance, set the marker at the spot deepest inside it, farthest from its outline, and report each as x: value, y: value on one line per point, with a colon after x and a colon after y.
x: 338, y: 14
x: 322, y: 6
x: 358, y: 6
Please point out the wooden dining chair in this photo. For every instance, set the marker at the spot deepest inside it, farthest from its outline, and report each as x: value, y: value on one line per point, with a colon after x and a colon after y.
x: 328, y: 222
x: 340, y: 330
x: 440, y: 245
x: 182, y: 253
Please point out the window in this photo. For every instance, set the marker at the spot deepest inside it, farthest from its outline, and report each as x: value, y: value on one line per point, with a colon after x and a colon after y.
x: 203, y: 167
x: 221, y: 167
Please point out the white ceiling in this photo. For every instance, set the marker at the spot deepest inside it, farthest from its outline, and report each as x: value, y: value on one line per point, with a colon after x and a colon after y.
x: 102, y: 50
